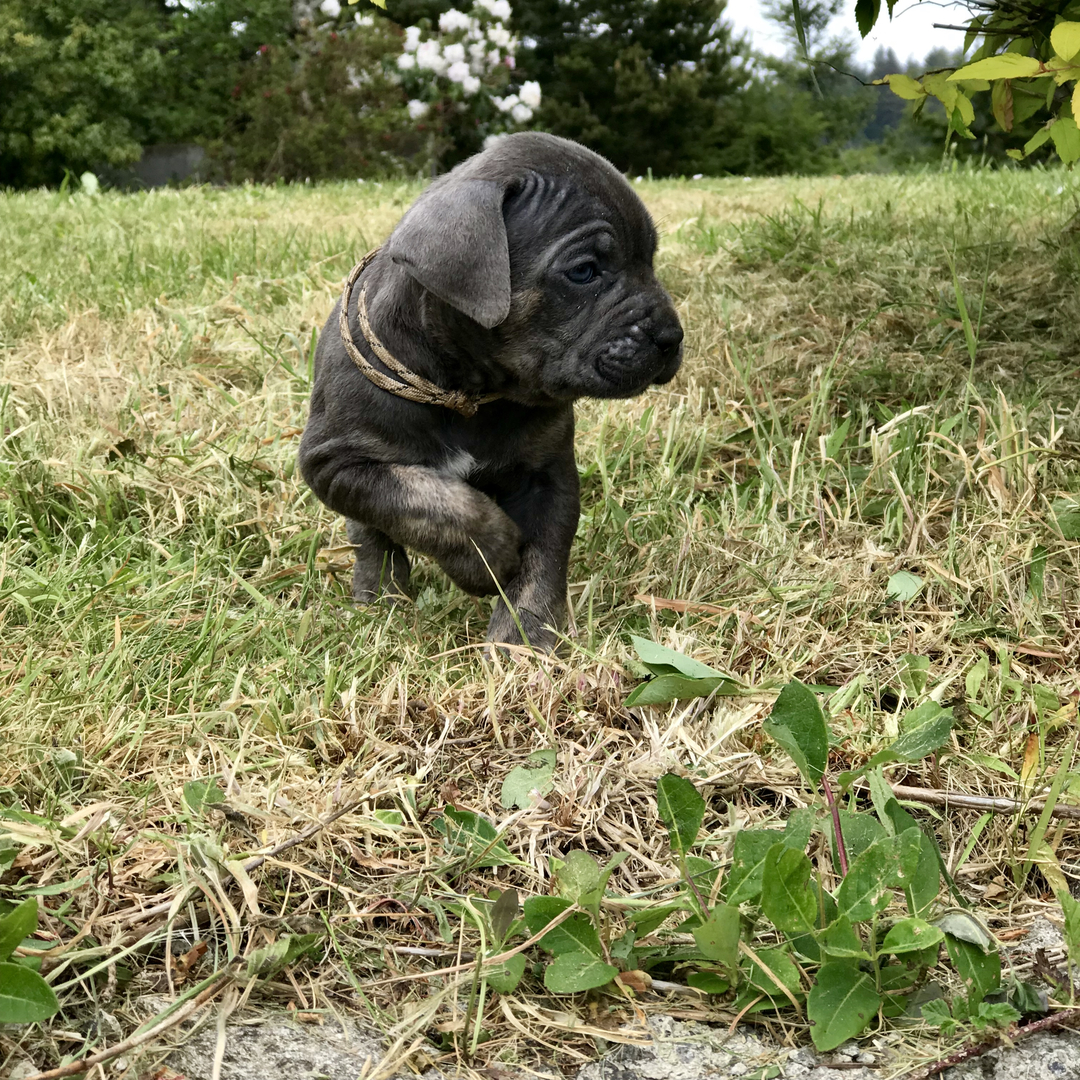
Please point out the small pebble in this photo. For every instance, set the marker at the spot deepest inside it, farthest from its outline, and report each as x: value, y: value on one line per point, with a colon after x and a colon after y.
x: 865, y: 1058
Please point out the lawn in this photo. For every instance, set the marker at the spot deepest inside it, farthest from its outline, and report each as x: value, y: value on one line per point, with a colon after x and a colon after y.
x: 880, y: 380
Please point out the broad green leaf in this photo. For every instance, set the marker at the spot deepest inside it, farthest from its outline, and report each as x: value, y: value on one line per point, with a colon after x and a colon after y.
x: 839, y: 940
x: 572, y: 972
x: 903, y: 586
x: 273, y: 958
x: 798, y: 725
x: 578, y: 876
x: 1066, y: 136
x: 201, y: 795
x: 743, y: 882
x: 1031, y: 146
x: 781, y: 965
x: 663, y: 661
x: 576, y: 935
x: 964, y: 926
x: 535, y: 774
x: 504, y: 977
x: 704, y: 873
x: 1076, y: 102
x: 472, y: 837
x: 799, y: 828
x: 1065, y: 38
x: 903, y: 86
x: 937, y: 1013
x: 681, y: 809
x: 1066, y: 512
x: 25, y: 997
x: 16, y: 926
x: 648, y: 919
x: 925, y: 883
x: 676, y: 676
x: 930, y: 730
x: 859, y: 831
x: 866, y: 13
x: 708, y: 981
x: 503, y: 913
x: 914, y: 671
x: 1003, y: 66
x: 886, y: 863
x: 841, y: 1003
x: 667, y: 688
x: 981, y: 971
x: 788, y: 899
x: 718, y: 936
x: 911, y: 935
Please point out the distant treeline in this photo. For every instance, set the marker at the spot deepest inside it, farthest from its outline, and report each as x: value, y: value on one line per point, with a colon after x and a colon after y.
x: 287, y: 90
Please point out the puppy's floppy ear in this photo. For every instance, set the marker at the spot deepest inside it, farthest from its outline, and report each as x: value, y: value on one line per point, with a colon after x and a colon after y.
x: 453, y: 241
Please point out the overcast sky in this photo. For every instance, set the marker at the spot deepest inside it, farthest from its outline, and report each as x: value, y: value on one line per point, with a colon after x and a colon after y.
x: 910, y: 34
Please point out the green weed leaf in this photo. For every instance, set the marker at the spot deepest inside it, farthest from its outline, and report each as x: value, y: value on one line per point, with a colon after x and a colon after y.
x: 841, y: 1003
x: 202, y: 795
x: 708, y: 981
x: 16, y: 926
x: 903, y: 586
x: 535, y: 774
x: 911, y: 935
x: 681, y: 809
x: 787, y: 899
x: 576, y: 935
x: 505, y: 976
x: 25, y: 997
x: 675, y: 676
x: 748, y: 853
x: 570, y: 973
x: 981, y: 971
x: 886, y: 863
x: 718, y: 936
x: 473, y: 838
x: 798, y: 725
x: 839, y: 940
x: 503, y: 913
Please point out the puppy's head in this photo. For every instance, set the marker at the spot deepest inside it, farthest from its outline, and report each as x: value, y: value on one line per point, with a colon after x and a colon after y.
x: 544, y: 245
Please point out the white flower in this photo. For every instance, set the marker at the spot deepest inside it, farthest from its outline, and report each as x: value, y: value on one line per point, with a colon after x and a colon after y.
x: 491, y: 140
x: 330, y: 8
x: 406, y: 61
x: 429, y: 57
x: 499, y: 9
x: 238, y: 27
x: 418, y: 109
x: 452, y: 20
x: 412, y: 38
x: 454, y: 53
x: 494, y: 57
x: 364, y: 20
x: 477, y: 50
x: 470, y: 84
x: 522, y: 114
x: 475, y: 31
x: 498, y: 35
x: 458, y: 72
x: 530, y: 94
x: 505, y: 104
x: 698, y: 176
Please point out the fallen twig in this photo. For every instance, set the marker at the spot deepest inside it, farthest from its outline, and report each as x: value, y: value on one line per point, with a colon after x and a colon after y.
x: 167, y: 1020
x: 1047, y: 1023
x: 982, y: 802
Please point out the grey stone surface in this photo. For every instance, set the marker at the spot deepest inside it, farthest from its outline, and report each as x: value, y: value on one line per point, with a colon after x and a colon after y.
x: 283, y: 1049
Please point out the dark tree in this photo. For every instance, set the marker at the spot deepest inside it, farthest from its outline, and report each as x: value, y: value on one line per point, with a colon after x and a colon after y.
x: 643, y: 82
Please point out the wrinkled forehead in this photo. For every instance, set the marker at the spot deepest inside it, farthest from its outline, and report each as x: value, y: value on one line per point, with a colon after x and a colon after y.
x: 546, y: 209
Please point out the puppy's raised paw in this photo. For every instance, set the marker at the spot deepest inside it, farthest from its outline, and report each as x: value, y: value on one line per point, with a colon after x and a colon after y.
x: 503, y: 629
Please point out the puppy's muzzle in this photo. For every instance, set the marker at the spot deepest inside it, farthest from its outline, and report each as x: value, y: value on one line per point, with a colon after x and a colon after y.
x: 648, y: 352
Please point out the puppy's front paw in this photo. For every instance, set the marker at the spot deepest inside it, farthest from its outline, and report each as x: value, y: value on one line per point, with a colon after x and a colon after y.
x: 498, y: 557
x: 503, y: 628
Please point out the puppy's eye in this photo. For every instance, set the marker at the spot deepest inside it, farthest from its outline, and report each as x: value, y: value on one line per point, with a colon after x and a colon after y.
x: 582, y: 274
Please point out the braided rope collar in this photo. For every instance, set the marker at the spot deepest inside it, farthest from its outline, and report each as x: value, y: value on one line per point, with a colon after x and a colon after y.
x: 411, y: 386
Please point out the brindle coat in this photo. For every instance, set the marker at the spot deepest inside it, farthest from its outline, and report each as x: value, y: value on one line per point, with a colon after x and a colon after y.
x: 526, y: 271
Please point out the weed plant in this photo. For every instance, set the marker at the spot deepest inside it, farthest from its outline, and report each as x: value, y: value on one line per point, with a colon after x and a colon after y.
x: 866, y: 468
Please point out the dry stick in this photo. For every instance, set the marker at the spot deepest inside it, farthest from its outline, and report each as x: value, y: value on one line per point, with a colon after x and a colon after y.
x: 74, y: 1068
x: 1047, y: 1023
x: 500, y: 959
x: 981, y: 802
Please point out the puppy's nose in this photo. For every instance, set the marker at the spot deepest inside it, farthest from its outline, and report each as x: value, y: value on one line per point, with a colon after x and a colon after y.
x: 668, y: 337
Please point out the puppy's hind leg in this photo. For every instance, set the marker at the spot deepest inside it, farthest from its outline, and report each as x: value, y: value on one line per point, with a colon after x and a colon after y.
x: 382, y: 567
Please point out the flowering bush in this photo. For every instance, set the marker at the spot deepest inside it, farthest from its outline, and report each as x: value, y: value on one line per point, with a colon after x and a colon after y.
x: 459, y: 79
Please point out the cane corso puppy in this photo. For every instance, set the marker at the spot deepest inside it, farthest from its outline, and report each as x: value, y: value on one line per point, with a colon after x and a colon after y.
x: 517, y: 283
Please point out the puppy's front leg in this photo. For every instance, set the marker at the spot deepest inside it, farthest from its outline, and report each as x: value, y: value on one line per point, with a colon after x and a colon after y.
x: 546, y: 508
x: 419, y: 508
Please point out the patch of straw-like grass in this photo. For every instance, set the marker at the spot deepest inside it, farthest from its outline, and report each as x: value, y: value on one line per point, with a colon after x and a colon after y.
x: 174, y: 603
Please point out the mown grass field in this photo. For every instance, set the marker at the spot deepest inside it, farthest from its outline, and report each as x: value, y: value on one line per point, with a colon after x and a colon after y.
x: 174, y: 603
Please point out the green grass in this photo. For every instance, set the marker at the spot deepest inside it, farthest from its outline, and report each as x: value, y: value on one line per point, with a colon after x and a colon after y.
x: 174, y: 602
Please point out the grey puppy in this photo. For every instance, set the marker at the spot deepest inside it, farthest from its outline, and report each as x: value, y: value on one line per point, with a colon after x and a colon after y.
x: 525, y: 273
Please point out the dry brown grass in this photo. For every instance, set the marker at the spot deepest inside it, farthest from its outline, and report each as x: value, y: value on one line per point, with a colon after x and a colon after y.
x: 173, y: 603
